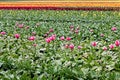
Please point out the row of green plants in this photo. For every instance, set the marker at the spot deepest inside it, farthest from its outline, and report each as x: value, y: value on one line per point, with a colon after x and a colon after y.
x: 59, y: 45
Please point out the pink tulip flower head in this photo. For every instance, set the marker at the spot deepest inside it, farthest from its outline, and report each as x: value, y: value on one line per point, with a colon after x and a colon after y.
x: 71, y: 27
x: 3, y: 33
x: 91, y: 30
x: 20, y: 25
x: 79, y: 47
x: 68, y: 38
x: 71, y: 46
x: 31, y: 38
x: 117, y: 43
x: 94, y: 44
x: 102, y: 35
x: 52, y: 38
x: 66, y: 46
x: 76, y: 31
x: 113, y: 28
x: 78, y: 28
x: 27, y: 27
x: 34, y: 45
x: 62, y: 38
x: 104, y: 48
x: 48, y: 40
x: 33, y: 33
x: 111, y: 46
x: 17, y: 36
x: 51, y: 30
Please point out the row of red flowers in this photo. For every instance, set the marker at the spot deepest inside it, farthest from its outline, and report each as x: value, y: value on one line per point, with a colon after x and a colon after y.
x: 62, y: 8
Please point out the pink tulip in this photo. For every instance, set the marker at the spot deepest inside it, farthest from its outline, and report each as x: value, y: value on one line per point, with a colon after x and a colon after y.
x: 20, y: 25
x: 113, y: 28
x: 76, y: 31
x: 31, y: 38
x: 117, y: 43
x: 91, y: 30
x: 17, y: 36
x: 33, y: 33
x: 71, y: 46
x: 3, y: 33
x: 51, y: 30
x: 27, y: 27
x: 52, y: 38
x: 72, y: 30
x: 102, y: 35
x: 104, y: 48
x: 62, y: 38
x: 79, y: 47
x: 34, y: 45
x: 71, y: 27
x: 94, y: 44
x: 68, y: 38
x: 77, y: 28
x: 66, y: 46
x: 111, y: 46
x: 48, y: 40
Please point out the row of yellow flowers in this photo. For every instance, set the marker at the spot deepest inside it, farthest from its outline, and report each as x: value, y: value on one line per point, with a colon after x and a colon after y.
x: 60, y: 4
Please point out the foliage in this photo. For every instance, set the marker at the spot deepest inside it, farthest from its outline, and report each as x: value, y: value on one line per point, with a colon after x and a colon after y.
x: 27, y: 55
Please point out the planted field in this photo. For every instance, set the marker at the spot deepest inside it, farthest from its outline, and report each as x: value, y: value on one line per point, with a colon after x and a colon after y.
x: 59, y: 45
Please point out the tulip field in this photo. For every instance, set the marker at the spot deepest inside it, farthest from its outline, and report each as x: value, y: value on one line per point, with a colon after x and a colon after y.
x: 59, y: 45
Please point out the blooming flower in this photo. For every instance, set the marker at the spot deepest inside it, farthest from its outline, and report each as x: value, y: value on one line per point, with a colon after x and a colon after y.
x: 71, y: 27
x: 66, y: 46
x: 20, y: 25
x: 68, y: 38
x: 52, y: 38
x: 111, y: 46
x: 31, y: 38
x: 34, y: 45
x: 113, y: 28
x: 104, y: 48
x: 17, y: 36
x: 79, y: 47
x: 102, y: 35
x: 94, y: 44
x: 48, y: 40
x: 62, y: 38
x: 76, y: 31
x: 51, y: 30
x: 33, y: 33
x: 27, y: 27
x: 71, y: 46
x: 3, y: 32
x: 117, y: 43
